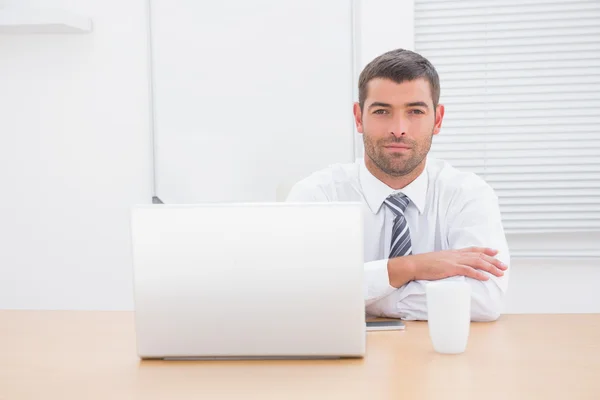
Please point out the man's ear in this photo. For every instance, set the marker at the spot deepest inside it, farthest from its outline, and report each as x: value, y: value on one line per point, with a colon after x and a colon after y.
x: 439, y: 116
x: 358, y: 117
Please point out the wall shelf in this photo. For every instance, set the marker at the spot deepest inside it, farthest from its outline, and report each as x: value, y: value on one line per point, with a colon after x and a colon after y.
x: 23, y: 21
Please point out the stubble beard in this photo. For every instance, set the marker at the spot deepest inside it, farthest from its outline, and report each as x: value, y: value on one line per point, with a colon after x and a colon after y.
x: 396, y: 164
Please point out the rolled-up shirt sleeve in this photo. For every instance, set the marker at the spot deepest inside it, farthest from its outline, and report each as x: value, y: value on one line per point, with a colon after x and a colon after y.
x: 377, y: 281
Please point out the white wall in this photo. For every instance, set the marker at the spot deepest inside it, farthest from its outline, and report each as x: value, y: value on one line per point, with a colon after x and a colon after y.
x: 74, y: 155
x: 559, y: 285
x: 268, y: 103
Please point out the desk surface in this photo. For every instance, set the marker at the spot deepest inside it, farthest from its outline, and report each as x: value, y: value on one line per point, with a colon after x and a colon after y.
x: 91, y: 355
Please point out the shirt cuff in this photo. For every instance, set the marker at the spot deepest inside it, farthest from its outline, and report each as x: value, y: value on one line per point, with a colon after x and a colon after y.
x: 377, y: 281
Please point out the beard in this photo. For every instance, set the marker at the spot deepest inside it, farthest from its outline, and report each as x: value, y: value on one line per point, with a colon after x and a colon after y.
x: 397, y: 164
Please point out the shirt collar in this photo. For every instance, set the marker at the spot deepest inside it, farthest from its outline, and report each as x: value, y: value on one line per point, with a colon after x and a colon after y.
x: 375, y: 191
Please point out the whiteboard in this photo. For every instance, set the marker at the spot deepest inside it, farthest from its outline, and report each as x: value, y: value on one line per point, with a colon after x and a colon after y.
x: 248, y: 96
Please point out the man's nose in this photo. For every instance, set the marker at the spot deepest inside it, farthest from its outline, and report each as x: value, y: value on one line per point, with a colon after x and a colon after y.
x: 399, y: 127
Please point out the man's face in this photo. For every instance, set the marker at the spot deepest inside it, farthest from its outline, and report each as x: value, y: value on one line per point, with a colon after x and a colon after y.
x: 398, y: 122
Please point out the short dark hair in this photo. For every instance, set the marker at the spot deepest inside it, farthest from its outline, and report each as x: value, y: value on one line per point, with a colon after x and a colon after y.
x: 399, y: 65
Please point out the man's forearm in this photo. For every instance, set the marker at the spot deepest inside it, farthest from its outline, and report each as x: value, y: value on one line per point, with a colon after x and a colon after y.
x: 383, y: 277
x: 407, y: 277
x: 401, y: 270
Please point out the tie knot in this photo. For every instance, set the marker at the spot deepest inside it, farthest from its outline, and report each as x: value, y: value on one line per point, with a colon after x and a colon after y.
x: 397, y: 203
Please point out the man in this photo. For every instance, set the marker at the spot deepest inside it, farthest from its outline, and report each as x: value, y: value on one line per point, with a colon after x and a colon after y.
x: 424, y: 220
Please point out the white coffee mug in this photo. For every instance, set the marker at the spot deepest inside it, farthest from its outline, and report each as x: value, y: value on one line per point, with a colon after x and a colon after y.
x: 449, y: 315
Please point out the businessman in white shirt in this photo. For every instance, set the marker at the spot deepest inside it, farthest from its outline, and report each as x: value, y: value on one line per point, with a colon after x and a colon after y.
x: 424, y: 220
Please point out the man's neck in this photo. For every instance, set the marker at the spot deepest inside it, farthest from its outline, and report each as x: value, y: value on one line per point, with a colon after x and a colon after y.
x: 395, y: 182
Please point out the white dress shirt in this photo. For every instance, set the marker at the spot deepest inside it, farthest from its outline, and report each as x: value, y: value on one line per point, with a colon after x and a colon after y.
x: 448, y: 209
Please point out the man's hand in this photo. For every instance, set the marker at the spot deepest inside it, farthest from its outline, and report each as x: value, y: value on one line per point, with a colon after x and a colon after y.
x: 469, y: 262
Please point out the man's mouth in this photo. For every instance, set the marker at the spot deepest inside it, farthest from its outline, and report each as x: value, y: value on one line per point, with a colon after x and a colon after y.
x: 397, y: 147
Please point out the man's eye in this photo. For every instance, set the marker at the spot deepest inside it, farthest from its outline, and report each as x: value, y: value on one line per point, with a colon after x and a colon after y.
x: 416, y: 112
x: 380, y: 112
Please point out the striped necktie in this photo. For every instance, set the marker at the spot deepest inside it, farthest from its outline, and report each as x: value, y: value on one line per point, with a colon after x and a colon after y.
x: 401, y: 245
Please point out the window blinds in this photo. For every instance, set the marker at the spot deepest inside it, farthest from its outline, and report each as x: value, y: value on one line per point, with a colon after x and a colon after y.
x: 521, y: 84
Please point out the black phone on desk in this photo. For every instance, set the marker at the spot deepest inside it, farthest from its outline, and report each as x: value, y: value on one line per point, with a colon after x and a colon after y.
x: 385, y: 325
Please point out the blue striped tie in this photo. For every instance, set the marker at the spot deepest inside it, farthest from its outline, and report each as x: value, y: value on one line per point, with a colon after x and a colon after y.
x: 401, y: 245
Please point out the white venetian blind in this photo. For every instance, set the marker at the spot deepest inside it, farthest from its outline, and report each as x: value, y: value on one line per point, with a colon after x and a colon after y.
x: 521, y: 85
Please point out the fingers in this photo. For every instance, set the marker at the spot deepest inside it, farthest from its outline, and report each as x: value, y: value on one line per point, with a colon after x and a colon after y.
x: 484, y: 263
x: 469, y: 272
x: 484, y: 250
x: 495, y: 262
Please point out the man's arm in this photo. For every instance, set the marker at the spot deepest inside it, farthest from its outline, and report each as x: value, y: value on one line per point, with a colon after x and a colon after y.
x: 395, y: 287
x: 410, y: 274
x: 476, y: 222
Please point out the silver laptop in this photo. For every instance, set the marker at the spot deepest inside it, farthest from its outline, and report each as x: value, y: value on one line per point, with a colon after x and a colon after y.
x: 278, y: 280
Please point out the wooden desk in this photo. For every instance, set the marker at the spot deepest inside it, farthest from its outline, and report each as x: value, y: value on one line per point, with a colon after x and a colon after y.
x: 91, y: 355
